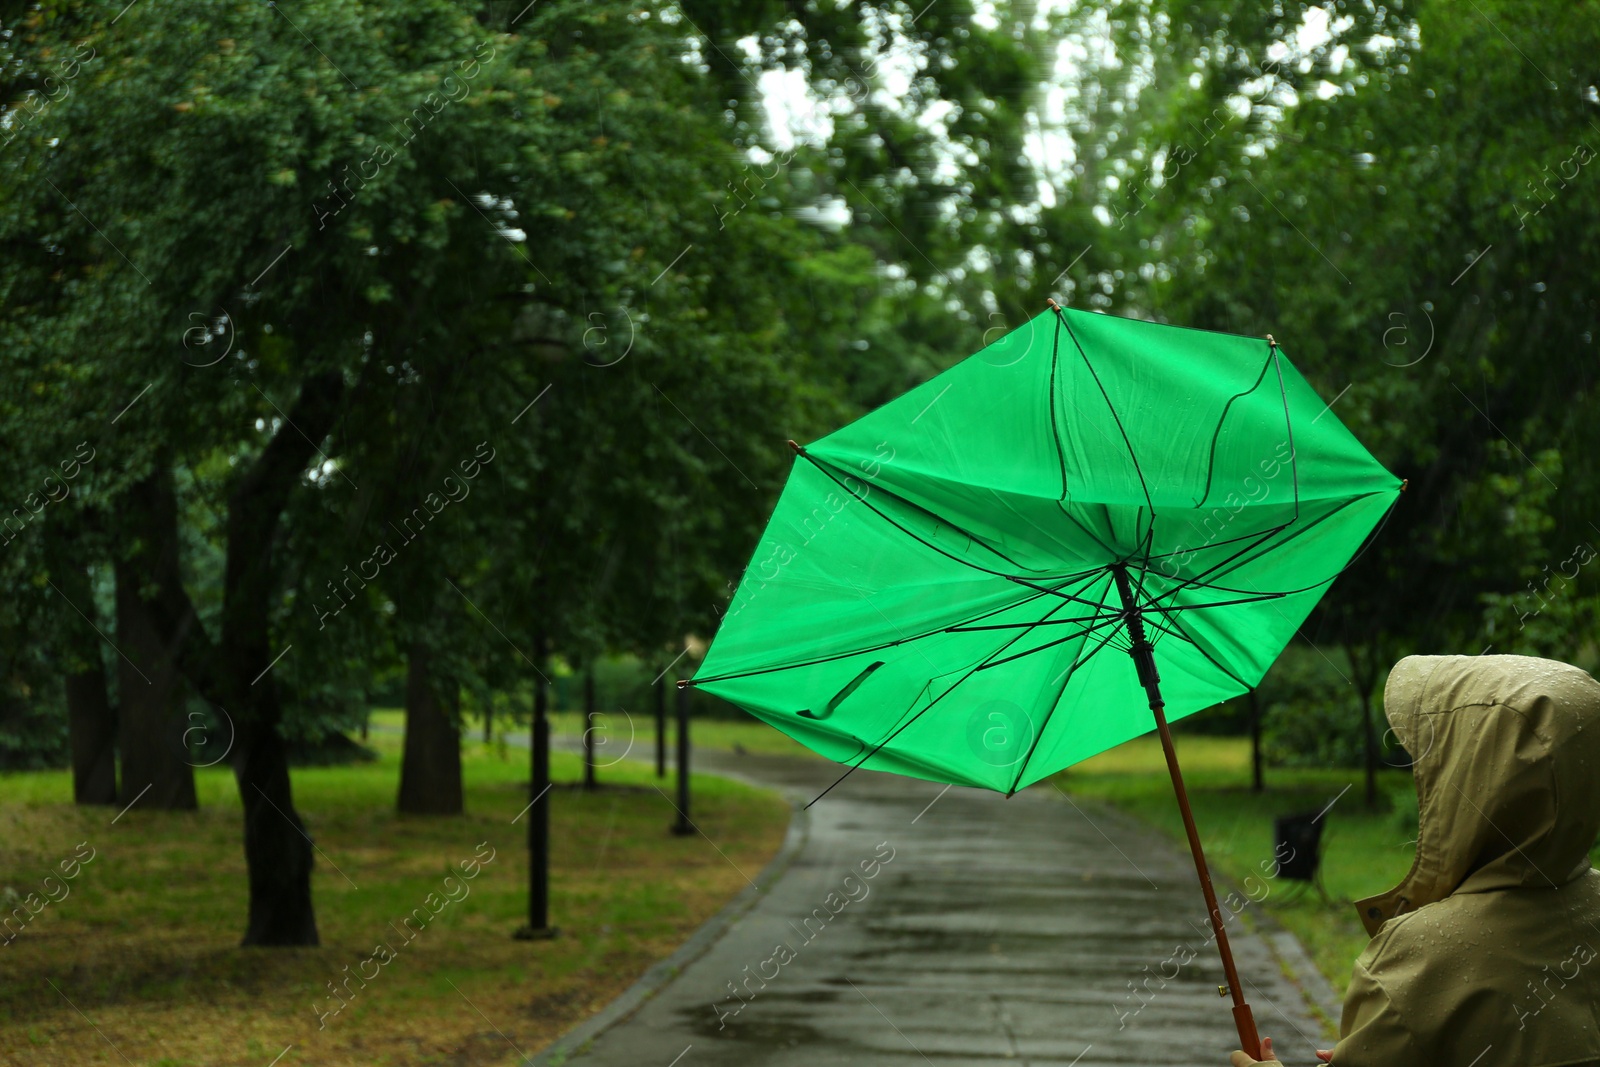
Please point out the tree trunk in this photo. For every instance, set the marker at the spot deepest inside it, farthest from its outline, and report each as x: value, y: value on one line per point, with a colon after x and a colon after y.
x: 430, y: 770
x: 277, y: 848
x: 155, y: 768
x: 92, y: 726
x: 234, y: 672
x: 1365, y: 669
x: 538, y: 813
x: 91, y: 722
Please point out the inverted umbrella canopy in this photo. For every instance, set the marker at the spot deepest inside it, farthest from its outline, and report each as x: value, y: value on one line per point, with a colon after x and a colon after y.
x: 939, y: 581
x: 940, y: 578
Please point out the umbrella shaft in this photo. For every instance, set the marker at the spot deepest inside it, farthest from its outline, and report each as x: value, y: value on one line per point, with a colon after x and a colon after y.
x: 1144, y: 659
x: 1145, y: 663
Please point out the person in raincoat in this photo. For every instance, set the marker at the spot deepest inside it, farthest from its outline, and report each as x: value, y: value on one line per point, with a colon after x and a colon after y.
x: 1486, y: 953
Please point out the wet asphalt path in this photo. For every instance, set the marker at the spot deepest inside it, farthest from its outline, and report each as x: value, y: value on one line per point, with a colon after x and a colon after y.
x: 1037, y: 930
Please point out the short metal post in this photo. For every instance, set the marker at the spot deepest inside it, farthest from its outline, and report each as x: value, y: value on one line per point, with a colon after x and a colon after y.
x: 683, y: 825
x: 538, y: 816
x: 661, y: 727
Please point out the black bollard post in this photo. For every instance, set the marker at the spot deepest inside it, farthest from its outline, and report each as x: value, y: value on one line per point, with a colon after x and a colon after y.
x: 538, y: 816
x: 661, y: 727
x: 683, y: 826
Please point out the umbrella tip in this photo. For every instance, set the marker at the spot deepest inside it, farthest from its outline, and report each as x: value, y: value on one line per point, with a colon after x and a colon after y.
x: 797, y: 449
x: 683, y: 683
x: 1271, y: 342
x: 1403, y: 483
x: 1052, y: 302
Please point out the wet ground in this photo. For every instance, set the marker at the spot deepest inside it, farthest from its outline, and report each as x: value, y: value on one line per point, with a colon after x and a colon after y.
x: 919, y: 925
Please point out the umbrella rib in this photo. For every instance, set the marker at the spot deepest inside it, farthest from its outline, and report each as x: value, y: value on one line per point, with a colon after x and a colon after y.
x: 1371, y: 537
x: 1088, y: 576
x: 1000, y: 499
x: 1151, y: 621
x: 1178, y: 632
x: 863, y: 651
x: 1025, y: 625
x: 1294, y: 464
x: 1066, y: 680
x: 1055, y: 437
x: 1153, y: 609
x: 1288, y: 428
x: 1178, y: 622
x: 824, y: 468
x: 1060, y: 640
x: 913, y: 719
x: 1199, y: 579
x: 1055, y: 429
x: 1061, y: 317
x: 952, y: 628
x: 1144, y: 566
x: 1070, y: 517
x: 1211, y: 467
x: 1294, y: 459
x: 1218, y: 544
x: 1217, y: 568
x: 1057, y: 592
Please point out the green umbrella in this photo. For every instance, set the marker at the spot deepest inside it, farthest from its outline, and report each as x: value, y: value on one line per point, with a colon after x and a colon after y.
x: 940, y: 577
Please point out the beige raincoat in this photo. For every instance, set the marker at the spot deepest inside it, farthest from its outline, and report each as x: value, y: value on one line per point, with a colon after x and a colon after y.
x: 1488, y: 953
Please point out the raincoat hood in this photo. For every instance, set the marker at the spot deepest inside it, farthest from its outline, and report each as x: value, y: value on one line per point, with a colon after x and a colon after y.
x: 1485, y: 954
x: 1506, y: 757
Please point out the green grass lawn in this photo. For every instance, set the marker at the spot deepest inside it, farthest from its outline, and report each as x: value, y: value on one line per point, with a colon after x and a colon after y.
x: 623, y: 733
x: 146, y: 944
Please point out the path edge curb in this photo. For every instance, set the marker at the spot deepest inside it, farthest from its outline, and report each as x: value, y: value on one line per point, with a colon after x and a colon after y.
x: 1302, y: 971
x: 660, y: 974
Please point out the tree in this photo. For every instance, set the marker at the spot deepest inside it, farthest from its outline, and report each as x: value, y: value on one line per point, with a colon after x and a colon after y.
x: 1358, y: 228
x: 150, y: 736
x: 91, y: 720
x: 430, y: 773
x: 290, y: 259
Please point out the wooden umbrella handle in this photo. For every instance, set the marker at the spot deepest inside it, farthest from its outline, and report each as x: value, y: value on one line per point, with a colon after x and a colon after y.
x: 1243, y: 1021
x: 1246, y: 1025
x: 1145, y: 663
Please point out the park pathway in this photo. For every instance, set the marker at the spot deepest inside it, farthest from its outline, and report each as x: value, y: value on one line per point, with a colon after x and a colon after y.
x: 1040, y: 930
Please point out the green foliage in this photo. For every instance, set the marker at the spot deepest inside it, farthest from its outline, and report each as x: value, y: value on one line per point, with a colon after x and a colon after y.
x: 1230, y: 718
x: 33, y: 731
x: 1397, y: 234
x: 451, y: 220
x: 1313, y: 731
x: 1403, y: 205
x: 1310, y: 715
